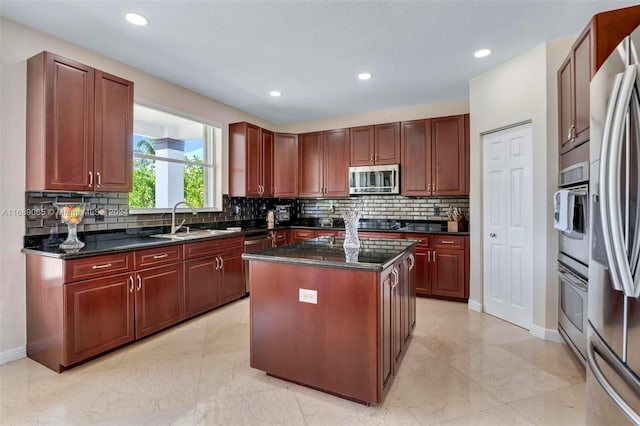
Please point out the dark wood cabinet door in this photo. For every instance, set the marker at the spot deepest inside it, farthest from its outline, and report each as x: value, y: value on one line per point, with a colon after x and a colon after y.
x: 448, y: 278
x: 448, y: 156
x: 69, y: 132
x: 415, y: 167
x: 113, y: 141
x: 423, y: 279
x: 387, y: 143
x: 336, y: 163
x: 310, y: 159
x: 253, y: 141
x: 232, y: 285
x: 362, y: 146
x: 285, y: 169
x: 397, y: 341
x: 411, y: 279
x: 201, y: 283
x: 565, y: 105
x: 405, y: 314
x: 386, y: 326
x: 99, y: 315
x: 159, y: 298
x: 581, y: 80
x: 267, y: 164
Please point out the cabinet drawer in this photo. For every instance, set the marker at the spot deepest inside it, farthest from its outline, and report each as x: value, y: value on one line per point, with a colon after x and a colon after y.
x: 423, y: 239
x: 97, y: 266
x: 303, y: 234
x: 446, y: 241
x: 157, y: 256
x: 212, y: 247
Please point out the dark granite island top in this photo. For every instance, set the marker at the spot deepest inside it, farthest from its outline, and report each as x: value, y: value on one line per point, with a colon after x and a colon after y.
x: 330, y: 322
x: 375, y: 254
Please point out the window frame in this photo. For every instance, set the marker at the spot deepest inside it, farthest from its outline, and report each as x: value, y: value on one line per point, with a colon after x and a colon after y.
x: 212, y: 156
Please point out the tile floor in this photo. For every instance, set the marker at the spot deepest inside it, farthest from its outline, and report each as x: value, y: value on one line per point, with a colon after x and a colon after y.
x: 461, y: 368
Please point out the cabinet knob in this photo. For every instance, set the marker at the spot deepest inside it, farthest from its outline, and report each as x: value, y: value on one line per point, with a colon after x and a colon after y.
x: 492, y: 235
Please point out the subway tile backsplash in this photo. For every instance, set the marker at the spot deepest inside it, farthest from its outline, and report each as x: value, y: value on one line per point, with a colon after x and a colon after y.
x: 384, y: 207
x: 42, y: 213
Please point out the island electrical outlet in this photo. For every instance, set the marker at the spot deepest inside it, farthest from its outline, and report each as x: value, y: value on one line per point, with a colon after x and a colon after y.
x: 308, y: 296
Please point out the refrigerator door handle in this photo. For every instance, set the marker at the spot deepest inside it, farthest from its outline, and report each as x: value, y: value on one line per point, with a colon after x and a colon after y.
x: 605, y: 178
x: 615, y: 243
x: 606, y: 385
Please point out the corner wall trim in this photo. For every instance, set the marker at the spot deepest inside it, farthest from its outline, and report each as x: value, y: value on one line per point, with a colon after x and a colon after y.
x: 549, y: 334
x: 13, y: 355
x: 472, y: 305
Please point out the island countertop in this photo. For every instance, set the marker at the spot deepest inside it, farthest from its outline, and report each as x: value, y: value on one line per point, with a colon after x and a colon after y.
x: 375, y: 254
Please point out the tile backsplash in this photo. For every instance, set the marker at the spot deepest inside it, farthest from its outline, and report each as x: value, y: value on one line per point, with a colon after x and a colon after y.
x: 41, y: 214
x: 384, y: 207
x: 116, y: 212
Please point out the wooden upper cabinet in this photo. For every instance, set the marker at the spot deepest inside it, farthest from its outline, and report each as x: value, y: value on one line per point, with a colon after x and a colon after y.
x: 310, y: 160
x: 250, y: 161
x: 448, y: 175
x: 387, y: 143
x: 362, y: 146
x: 113, y: 143
x: 434, y: 156
x: 285, y: 165
x: 593, y: 46
x: 336, y: 163
x: 323, y: 159
x: 379, y: 144
x: 415, y: 167
x: 267, y: 163
x: 79, y: 127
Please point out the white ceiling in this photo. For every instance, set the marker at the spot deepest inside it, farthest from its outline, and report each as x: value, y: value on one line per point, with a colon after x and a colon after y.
x: 237, y: 51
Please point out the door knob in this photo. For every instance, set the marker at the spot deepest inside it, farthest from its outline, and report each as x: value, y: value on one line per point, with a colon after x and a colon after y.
x: 492, y: 235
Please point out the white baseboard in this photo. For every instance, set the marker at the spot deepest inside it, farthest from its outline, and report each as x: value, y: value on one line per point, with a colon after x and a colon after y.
x: 13, y: 355
x: 549, y: 334
x: 472, y: 305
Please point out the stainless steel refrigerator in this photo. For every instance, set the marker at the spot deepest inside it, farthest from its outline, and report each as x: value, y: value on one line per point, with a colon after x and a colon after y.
x: 613, y: 345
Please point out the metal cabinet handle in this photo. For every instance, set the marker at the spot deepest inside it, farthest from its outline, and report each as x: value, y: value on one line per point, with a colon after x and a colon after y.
x: 221, y: 262
x: 139, y: 283
x: 394, y: 271
x: 376, y: 156
x: 106, y: 265
x: 433, y: 258
x: 428, y: 255
x: 161, y: 256
x: 492, y: 235
x: 99, y: 179
x: 130, y: 283
x: 413, y: 262
x: 217, y: 263
x: 371, y: 158
x: 90, y: 178
x: 447, y: 242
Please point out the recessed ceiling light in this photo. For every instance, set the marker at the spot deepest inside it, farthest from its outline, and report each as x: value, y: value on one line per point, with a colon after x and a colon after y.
x: 275, y: 93
x: 482, y: 53
x: 136, y: 19
x: 364, y: 76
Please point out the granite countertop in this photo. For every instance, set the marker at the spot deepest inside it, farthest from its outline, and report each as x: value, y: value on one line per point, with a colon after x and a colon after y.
x: 122, y: 242
x: 375, y: 254
x: 375, y: 225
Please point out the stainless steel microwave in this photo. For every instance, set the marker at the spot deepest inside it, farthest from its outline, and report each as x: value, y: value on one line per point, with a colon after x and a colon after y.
x: 374, y: 180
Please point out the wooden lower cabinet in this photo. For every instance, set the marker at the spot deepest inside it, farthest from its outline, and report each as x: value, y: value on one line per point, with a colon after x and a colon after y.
x: 281, y: 238
x: 441, y: 263
x: 202, y: 290
x: 159, y: 298
x: 99, y: 316
x: 231, y: 278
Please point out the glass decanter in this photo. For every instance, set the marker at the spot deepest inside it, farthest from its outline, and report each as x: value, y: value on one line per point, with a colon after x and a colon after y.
x: 71, y: 215
x: 351, y: 219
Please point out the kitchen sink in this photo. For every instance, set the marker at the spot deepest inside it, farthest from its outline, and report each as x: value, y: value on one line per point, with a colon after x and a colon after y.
x: 190, y: 235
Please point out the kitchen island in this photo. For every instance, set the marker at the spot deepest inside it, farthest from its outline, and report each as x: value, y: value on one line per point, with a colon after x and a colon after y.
x: 330, y: 320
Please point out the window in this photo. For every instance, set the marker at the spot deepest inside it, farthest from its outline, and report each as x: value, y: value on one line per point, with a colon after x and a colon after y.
x: 174, y: 159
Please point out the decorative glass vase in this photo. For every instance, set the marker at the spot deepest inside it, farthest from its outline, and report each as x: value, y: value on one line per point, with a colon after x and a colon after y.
x: 71, y: 215
x: 351, y: 219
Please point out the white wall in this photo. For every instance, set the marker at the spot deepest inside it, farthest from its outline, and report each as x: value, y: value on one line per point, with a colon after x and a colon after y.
x: 521, y: 89
x: 17, y: 44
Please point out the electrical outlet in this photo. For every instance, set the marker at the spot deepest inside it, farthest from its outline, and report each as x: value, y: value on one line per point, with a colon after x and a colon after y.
x: 436, y: 210
x: 308, y: 296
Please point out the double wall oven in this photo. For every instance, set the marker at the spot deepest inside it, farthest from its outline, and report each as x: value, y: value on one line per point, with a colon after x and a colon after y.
x: 571, y: 210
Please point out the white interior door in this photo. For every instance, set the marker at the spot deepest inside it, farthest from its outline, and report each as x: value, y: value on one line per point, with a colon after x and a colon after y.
x: 507, y: 196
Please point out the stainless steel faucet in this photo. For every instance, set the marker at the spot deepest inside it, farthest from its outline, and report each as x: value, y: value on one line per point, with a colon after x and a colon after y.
x: 175, y: 228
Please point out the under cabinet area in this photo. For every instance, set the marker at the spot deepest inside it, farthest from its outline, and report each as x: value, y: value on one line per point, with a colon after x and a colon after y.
x: 80, y: 308
x: 79, y: 127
